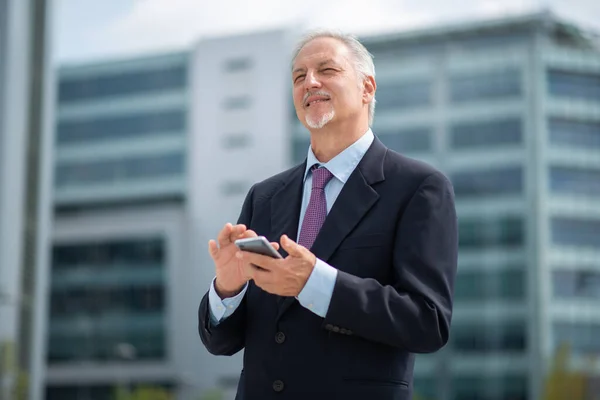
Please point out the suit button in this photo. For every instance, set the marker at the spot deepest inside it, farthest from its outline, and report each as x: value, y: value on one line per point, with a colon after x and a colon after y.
x: 280, y: 337
x: 329, y: 327
x: 278, y: 385
x: 336, y: 328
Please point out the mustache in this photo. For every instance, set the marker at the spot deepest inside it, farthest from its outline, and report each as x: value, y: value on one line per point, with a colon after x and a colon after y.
x: 317, y: 93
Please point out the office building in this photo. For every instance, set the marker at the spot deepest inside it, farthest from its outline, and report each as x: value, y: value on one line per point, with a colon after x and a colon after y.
x: 510, y: 111
x: 153, y: 156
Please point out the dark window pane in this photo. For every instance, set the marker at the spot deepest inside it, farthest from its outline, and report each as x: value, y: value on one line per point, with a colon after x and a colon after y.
x: 576, y: 232
x: 485, y: 85
x: 105, y: 254
x: 237, y: 141
x: 235, y: 188
x: 481, y: 285
x: 574, y: 85
x: 100, y: 316
x: 400, y: 95
x: 574, y: 133
x: 130, y: 169
x: 122, y: 84
x: 238, y: 64
x: 489, y: 233
x: 407, y: 140
x: 483, y: 134
x: 582, y: 337
x: 573, y: 180
x: 507, y: 180
x: 237, y: 103
x: 114, y: 128
x: 492, y: 337
x: 580, y: 283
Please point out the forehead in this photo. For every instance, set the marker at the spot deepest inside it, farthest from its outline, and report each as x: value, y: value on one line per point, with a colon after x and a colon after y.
x: 321, y: 49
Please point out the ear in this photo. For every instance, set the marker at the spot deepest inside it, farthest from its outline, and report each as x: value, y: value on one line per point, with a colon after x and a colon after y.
x: 369, y: 88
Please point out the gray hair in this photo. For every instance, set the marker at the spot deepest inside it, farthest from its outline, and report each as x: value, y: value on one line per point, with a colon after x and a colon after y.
x: 362, y: 59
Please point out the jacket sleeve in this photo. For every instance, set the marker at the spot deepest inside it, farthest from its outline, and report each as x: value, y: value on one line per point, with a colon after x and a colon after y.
x: 414, y: 313
x: 226, y: 338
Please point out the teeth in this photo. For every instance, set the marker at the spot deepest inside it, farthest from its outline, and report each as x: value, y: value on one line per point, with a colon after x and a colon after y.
x: 316, y: 101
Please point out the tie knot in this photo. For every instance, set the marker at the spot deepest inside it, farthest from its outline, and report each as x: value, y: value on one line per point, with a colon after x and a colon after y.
x: 320, y: 177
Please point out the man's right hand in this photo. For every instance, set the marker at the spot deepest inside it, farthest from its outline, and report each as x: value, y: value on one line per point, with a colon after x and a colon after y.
x: 230, y: 270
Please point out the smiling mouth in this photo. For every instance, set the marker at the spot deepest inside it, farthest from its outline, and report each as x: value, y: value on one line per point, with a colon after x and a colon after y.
x: 315, y: 101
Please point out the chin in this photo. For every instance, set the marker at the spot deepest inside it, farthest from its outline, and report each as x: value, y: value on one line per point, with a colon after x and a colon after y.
x: 320, y: 121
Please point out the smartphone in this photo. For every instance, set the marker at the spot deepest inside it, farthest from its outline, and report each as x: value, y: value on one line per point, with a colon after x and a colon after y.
x: 258, y: 245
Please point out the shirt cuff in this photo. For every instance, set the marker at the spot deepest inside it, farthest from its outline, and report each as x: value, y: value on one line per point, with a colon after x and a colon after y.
x: 317, y: 292
x: 223, y: 308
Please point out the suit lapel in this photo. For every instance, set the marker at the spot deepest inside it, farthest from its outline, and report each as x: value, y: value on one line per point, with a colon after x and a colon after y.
x: 354, y: 201
x: 285, y: 207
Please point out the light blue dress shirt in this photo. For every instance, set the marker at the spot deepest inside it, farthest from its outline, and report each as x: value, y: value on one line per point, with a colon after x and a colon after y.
x: 316, y: 294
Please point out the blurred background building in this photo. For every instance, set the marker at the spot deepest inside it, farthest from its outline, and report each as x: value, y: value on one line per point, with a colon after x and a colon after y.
x: 152, y: 155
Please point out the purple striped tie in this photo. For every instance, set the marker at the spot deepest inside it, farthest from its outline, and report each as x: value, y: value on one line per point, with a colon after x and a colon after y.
x: 317, y: 207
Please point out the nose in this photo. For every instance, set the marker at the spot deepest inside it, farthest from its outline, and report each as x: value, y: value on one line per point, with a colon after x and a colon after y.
x: 311, y: 81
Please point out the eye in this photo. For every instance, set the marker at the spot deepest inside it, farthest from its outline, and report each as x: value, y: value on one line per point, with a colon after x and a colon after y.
x: 299, y: 77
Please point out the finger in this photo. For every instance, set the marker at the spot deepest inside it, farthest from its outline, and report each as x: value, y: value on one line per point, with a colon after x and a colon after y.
x: 275, y: 245
x: 236, y: 231
x: 223, y: 236
x: 264, y: 262
x: 249, y: 233
x: 291, y: 247
x: 213, y: 250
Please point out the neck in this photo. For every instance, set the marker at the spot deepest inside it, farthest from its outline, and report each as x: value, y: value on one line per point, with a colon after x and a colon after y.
x: 333, y: 138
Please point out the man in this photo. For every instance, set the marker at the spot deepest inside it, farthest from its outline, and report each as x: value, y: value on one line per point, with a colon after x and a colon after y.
x: 357, y: 293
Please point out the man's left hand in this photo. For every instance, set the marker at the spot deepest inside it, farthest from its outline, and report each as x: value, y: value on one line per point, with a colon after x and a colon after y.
x: 283, y: 277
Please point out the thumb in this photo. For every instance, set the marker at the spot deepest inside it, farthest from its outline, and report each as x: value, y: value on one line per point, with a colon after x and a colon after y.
x: 291, y: 247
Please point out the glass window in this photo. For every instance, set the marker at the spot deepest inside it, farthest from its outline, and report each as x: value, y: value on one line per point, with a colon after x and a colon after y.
x: 574, y: 180
x: 574, y: 133
x: 104, y: 254
x: 582, y: 337
x: 94, y: 309
x: 238, y: 64
x: 425, y: 388
x: 576, y: 232
x: 122, y: 84
x: 237, y: 103
x: 574, y: 85
x: 467, y: 135
x: 491, y: 182
x: 300, y: 147
x: 237, y: 141
x: 407, y: 140
x: 479, y: 337
x: 571, y: 284
x: 402, y: 95
x: 481, y: 285
x: 487, y: 85
x: 235, y: 188
x: 489, y: 233
x: 507, y: 387
x: 123, y: 127
x: 98, y: 172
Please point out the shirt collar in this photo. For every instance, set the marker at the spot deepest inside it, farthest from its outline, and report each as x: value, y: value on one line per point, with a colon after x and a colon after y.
x: 342, y: 165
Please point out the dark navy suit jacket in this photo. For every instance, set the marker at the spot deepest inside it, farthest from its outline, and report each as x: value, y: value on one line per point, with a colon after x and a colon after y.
x: 392, y: 234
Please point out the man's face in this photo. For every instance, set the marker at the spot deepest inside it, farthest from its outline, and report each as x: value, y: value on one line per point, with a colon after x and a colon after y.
x: 326, y: 86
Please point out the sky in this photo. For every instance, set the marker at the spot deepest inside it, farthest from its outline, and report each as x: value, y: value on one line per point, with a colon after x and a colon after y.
x: 91, y: 30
